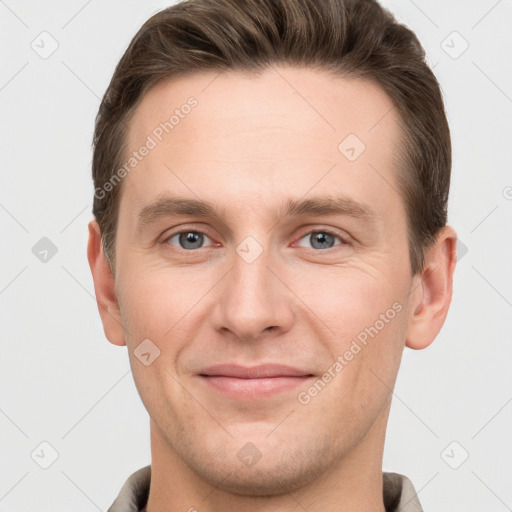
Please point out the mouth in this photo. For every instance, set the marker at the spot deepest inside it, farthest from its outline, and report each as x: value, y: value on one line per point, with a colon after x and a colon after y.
x: 253, y: 383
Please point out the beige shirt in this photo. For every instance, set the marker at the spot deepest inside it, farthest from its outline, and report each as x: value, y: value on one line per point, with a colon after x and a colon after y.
x: 399, y: 493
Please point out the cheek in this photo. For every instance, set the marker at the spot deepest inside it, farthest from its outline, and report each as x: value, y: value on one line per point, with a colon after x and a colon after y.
x: 365, y: 324
x: 154, y: 305
x: 153, y: 301
x: 347, y: 300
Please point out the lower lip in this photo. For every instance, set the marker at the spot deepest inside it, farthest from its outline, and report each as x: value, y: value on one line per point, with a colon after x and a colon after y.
x: 252, y: 389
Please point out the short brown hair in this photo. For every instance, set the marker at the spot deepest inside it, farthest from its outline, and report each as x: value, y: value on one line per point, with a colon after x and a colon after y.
x: 353, y: 38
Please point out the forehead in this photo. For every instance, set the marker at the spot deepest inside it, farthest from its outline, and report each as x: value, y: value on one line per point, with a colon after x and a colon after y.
x: 275, y: 98
x: 244, y: 134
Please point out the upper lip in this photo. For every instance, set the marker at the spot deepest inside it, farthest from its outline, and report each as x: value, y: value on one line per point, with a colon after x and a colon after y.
x: 253, y: 372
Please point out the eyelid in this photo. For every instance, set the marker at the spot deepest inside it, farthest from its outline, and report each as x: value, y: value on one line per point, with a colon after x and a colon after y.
x: 342, y: 236
x: 187, y: 229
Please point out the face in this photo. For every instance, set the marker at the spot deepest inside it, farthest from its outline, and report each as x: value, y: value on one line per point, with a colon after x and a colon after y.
x: 272, y: 322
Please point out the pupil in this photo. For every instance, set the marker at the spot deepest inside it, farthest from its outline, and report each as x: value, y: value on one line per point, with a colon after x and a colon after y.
x: 322, y: 239
x: 190, y: 238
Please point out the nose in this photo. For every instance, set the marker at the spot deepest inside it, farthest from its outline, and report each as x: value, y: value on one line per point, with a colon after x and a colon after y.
x: 254, y: 300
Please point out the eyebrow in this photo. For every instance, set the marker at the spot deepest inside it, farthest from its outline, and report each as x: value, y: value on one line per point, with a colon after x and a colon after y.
x: 171, y: 206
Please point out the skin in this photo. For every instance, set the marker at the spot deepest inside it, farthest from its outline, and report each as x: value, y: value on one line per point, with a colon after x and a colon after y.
x: 251, y: 143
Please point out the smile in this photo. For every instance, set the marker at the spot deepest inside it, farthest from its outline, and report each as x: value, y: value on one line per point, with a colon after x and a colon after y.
x: 253, y: 383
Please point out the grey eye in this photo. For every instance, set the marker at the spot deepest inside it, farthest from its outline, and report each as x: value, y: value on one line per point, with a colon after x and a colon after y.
x: 189, y: 240
x: 321, y: 239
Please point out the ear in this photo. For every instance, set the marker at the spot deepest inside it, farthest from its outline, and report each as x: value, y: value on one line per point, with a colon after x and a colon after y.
x: 104, y: 287
x: 433, y: 287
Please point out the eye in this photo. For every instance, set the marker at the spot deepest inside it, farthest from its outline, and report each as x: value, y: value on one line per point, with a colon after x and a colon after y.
x: 188, y: 239
x: 322, y: 239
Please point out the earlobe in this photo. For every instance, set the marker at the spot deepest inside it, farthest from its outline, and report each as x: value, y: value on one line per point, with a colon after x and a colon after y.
x: 435, y: 285
x: 104, y: 287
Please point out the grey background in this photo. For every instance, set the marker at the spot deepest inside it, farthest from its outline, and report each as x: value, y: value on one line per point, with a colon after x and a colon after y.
x: 63, y: 383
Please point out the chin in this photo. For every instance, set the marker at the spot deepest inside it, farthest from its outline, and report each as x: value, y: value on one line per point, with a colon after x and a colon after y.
x: 273, y: 474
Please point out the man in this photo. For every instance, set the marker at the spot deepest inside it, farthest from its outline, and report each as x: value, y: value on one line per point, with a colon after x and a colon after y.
x: 271, y: 185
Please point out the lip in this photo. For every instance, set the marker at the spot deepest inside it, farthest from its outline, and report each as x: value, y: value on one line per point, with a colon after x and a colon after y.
x: 253, y: 383
x: 253, y: 372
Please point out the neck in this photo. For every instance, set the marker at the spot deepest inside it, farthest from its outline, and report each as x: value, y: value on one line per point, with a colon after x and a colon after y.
x: 353, y: 484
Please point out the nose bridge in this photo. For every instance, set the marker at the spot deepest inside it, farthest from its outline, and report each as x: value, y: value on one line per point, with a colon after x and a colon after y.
x: 252, y: 298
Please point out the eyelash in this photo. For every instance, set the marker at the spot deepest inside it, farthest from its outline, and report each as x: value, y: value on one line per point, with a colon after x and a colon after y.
x: 343, y: 240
